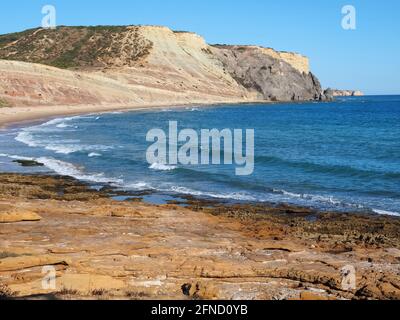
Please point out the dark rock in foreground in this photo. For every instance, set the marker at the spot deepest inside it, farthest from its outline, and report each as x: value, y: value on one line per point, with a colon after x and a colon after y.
x: 29, y: 163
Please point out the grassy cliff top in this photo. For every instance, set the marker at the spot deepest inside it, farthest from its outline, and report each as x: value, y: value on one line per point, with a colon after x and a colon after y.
x: 76, y: 47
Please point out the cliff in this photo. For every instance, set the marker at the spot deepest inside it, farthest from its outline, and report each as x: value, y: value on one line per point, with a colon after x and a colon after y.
x: 343, y: 93
x: 144, y: 64
x: 297, y: 61
x: 265, y: 71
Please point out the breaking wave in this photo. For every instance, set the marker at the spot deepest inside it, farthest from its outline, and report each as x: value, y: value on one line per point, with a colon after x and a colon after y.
x: 68, y: 169
x: 27, y: 137
x: 240, y: 196
x: 161, y: 167
x: 94, y: 154
x: 386, y: 213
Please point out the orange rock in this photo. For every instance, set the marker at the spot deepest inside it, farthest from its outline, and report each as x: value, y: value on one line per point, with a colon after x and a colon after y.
x: 10, y: 217
x: 307, y: 295
x: 24, y: 262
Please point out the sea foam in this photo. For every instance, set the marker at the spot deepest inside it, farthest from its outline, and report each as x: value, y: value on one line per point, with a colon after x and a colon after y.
x: 161, y: 167
x: 386, y: 213
x: 68, y: 169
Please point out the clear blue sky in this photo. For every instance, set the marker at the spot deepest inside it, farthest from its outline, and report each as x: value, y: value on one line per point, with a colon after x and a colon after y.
x: 367, y: 58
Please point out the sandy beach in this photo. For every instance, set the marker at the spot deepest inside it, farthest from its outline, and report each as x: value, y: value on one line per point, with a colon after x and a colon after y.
x: 23, y: 115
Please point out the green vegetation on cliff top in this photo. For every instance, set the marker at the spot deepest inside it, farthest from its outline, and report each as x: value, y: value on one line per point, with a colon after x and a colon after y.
x: 75, y: 47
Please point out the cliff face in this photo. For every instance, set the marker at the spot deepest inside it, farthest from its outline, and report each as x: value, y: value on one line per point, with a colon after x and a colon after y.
x: 144, y: 64
x: 297, y: 61
x: 343, y: 93
x: 265, y: 72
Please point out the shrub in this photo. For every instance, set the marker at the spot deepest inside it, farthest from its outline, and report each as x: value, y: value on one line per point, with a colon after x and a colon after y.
x: 4, y: 103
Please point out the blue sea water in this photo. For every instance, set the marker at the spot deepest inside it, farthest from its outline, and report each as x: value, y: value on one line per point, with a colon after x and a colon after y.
x: 342, y: 155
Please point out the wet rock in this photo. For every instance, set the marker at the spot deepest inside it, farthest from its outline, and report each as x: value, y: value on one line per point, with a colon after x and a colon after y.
x: 29, y: 163
x: 186, y: 289
x: 18, y: 216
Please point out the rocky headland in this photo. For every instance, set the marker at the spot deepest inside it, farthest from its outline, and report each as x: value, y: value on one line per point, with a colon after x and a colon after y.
x: 343, y: 93
x: 139, y: 66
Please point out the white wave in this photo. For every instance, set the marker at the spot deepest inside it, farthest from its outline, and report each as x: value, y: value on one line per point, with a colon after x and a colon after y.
x: 94, y: 154
x: 139, y: 186
x: 72, y: 148
x: 234, y: 196
x: 63, y: 147
x: 386, y: 213
x: 162, y: 167
x: 319, y: 199
x: 193, y: 109
x: 49, y: 125
x: 183, y: 190
x: 53, y: 122
x: 303, y: 196
x: 58, y: 122
x: 64, y: 125
x: 15, y: 157
x: 26, y: 137
x: 68, y: 169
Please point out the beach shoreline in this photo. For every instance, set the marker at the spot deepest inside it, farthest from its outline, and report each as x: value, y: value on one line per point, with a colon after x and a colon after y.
x: 20, y: 116
x: 12, y: 116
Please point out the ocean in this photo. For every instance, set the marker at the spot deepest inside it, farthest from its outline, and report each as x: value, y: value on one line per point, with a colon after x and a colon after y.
x: 341, y: 156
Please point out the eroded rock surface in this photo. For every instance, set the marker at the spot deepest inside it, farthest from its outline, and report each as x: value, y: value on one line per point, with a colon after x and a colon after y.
x: 18, y: 216
x: 103, y: 249
x: 274, y: 78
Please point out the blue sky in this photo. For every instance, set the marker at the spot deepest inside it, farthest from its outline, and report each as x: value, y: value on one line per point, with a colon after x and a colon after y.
x: 367, y: 58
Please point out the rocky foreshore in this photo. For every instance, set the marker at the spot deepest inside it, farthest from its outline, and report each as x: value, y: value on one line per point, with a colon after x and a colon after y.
x: 104, y: 249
